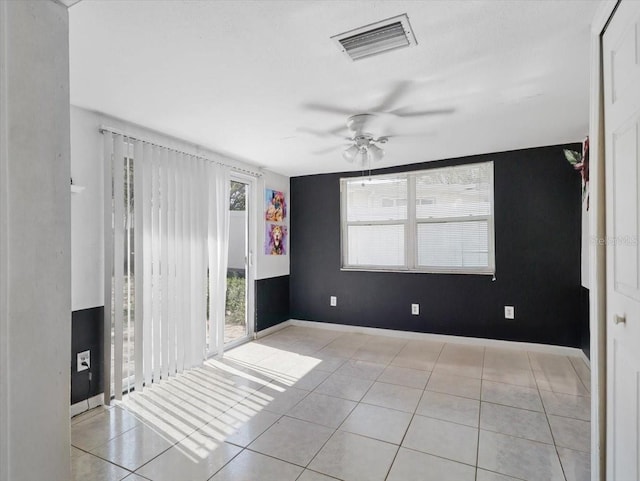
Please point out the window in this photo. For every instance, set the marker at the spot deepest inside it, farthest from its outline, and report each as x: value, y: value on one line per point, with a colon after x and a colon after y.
x: 436, y: 220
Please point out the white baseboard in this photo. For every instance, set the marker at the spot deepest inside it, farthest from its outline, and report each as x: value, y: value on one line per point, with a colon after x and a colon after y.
x: 80, y: 407
x: 586, y: 360
x: 272, y: 329
x: 477, y: 341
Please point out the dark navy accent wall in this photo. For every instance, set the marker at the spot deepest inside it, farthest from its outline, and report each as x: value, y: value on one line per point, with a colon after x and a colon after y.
x: 537, y: 226
x: 87, y: 333
x: 272, y: 301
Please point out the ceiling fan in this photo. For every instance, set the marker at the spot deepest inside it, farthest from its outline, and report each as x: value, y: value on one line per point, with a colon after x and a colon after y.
x: 362, y: 143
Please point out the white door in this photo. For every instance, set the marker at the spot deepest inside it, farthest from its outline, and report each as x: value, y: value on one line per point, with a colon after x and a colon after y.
x: 621, y: 63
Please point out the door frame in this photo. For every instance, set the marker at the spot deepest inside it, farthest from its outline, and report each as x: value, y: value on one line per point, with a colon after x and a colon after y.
x: 250, y: 274
x: 597, y: 248
x: 4, y: 252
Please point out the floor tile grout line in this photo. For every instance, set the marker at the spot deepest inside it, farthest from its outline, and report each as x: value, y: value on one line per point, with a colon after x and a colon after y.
x: 335, y: 430
x: 555, y: 447
x: 500, y: 474
x: 480, y: 414
x: 227, y: 463
x: 578, y: 375
x: 317, y: 472
x: 413, y: 414
x: 405, y: 433
x: 413, y: 417
x: 113, y: 463
x: 439, y: 456
x: 514, y: 407
x: 350, y: 412
x: 106, y: 442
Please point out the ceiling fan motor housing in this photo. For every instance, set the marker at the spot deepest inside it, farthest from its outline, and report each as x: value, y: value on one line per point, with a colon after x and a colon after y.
x: 357, y: 123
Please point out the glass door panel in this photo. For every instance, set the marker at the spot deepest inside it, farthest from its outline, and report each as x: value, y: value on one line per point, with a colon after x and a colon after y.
x: 236, y: 327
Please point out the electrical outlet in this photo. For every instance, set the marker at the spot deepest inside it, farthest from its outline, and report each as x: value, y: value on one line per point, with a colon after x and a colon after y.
x: 84, y: 356
x: 415, y: 309
x: 333, y: 301
x: 509, y: 312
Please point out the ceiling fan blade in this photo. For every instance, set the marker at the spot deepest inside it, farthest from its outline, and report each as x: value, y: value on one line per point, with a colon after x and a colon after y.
x: 421, y: 113
x: 392, y: 97
x: 328, y: 108
x: 320, y: 133
x: 420, y: 134
x: 337, y: 131
x: 327, y: 150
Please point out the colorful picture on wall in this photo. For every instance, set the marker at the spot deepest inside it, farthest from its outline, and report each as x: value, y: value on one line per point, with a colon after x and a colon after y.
x: 275, y: 243
x: 276, y: 206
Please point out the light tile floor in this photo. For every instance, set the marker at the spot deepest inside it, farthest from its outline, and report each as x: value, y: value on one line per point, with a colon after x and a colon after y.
x: 319, y: 405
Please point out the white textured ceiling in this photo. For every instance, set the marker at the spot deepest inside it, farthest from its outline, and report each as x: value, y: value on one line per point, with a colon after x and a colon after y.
x: 238, y: 76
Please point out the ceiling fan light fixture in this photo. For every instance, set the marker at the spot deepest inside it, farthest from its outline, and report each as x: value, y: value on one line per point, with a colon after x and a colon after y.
x: 379, y: 37
x: 350, y: 154
x: 376, y: 152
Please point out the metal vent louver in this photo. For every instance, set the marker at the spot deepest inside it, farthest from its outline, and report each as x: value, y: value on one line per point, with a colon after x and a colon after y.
x: 379, y: 37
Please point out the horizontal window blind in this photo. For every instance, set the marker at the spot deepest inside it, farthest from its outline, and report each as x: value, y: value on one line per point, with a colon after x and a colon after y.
x: 453, y: 244
x: 371, y: 245
x: 376, y: 199
x: 435, y: 220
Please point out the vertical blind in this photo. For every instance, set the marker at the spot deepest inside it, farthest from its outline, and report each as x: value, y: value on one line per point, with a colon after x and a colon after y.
x: 166, y: 238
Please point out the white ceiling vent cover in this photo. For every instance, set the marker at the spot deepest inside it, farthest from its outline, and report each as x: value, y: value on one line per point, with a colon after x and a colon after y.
x: 379, y: 37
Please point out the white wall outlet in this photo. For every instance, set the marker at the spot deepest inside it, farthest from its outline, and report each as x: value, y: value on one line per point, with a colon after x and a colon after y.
x: 415, y: 309
x: 84, y: 356
x: 509, y: 312
x: 333, y: 301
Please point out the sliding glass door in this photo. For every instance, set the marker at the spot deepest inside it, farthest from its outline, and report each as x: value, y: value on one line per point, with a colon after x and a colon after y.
x: 238, y: 319
x: 178, y: 272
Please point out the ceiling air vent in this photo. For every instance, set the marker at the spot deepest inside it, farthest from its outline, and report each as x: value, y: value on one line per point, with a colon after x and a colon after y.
x: 379, y: 37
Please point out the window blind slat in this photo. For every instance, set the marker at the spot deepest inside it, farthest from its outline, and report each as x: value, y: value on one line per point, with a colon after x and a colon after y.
x: 107, y: 223
x: 138, y: 264
x: 147, y: 255
x: 212, y: 259
x: 180, y: 263
x: 188, y: 306
x: 171, y: 260
x: 164, y: 262
x: 118, y: 270
x: 128, y: 367
x: 201, y: 262
x: 156, y: 250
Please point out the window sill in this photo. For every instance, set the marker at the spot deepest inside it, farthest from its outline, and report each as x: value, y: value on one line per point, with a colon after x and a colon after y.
x: 479, y: 272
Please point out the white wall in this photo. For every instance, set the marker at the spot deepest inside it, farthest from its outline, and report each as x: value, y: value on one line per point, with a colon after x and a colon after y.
x: 86, y: 208
x: 268, y: 265
x: 35, y: 242
x: 87, y: 249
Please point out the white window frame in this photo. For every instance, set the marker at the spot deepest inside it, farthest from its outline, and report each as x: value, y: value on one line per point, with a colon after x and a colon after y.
x: 411, y: 224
